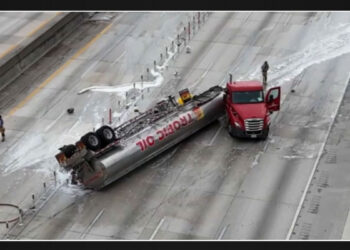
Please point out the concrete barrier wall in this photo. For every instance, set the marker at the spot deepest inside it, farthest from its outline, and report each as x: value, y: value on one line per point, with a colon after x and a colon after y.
x: 27, y: 53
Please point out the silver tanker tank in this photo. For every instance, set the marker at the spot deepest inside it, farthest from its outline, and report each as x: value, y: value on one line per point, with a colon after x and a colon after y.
x: 146, y: 136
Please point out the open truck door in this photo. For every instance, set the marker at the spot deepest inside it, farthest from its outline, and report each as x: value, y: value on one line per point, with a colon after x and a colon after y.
x: 273, y: 99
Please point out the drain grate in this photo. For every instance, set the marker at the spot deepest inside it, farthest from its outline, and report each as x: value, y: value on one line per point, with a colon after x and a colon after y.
x: 314, y: 204
x: 305, y: 231
x: 323, y: 179
x: 331, y: 156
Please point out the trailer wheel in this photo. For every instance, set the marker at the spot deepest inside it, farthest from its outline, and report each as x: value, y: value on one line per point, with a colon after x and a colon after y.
x: 91, y: 141
x: 106, y: 134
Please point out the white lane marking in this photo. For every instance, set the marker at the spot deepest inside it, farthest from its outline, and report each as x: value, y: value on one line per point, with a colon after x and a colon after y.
x: 207, y: 70
x: 316, y: 163
x: 52, y: 123
x: 346, y: 227
x: 223, y: 231
x: 195, y: 83
x: 107, y: 51
x: 118, y: 58
x: 216, y: 135
x: 194, y: 86
x: 97, y: 61
x: 88, y: 69
x: 157, y: 228
x: 91, y: 224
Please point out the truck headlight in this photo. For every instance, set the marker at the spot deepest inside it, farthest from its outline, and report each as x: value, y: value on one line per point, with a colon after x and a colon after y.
x: 237, y: 124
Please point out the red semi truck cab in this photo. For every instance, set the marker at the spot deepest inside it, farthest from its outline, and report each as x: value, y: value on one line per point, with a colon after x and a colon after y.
x: 248, y: 109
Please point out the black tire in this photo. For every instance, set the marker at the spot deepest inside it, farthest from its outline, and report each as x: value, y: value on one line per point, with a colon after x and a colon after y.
x: 265, y: 133
x: 106, y: 134
x: 92, y: 141
x: 230, y: 129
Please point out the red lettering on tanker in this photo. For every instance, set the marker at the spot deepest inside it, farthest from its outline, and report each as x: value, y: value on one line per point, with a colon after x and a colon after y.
x: 165, y: 132
x: 150, y: 140
x: 140, y: 143
x: 183, y: 121
x: 189, y: 118
x: 170, y: 129
x: 162, y: 133
x: 177, y: 125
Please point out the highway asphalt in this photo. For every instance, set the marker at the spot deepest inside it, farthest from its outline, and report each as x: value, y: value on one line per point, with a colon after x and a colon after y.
x: 211, y: 186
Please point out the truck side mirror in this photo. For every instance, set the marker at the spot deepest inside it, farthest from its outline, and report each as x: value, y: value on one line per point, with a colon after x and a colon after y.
x: 226, y: 94
x: 270, y: 98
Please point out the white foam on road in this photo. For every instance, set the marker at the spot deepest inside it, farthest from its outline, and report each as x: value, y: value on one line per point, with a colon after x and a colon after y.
x: 335, y: 42
x: 256, y: 159
x: 74, y: 190
x: 119, y: 88
x: 36, y: 153
x: 298, y: 156
x: 39, y: 150
x: 124, y: 87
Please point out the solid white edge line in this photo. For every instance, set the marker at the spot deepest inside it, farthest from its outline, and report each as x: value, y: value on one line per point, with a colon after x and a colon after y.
x: 53, y: 122
x: 118, y: 58
x: 157, y: 228
x: 216, y: 135
x: 92, y: 224
x: 223, y: 231
x: 315, y: 165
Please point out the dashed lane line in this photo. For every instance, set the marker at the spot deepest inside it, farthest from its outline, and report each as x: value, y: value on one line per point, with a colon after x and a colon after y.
x: 58, y: 71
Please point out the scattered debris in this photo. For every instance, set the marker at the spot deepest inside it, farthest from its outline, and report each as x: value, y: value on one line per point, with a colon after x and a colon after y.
x: 70, y: 110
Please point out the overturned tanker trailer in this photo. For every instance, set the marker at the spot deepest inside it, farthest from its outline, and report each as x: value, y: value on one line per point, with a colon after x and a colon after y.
x: 104, y: 156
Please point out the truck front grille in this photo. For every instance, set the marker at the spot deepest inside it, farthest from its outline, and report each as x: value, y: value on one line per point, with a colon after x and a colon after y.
x: 254, y: 124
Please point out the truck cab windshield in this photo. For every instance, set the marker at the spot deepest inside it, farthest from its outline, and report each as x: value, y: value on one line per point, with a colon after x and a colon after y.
x: 248, y: 96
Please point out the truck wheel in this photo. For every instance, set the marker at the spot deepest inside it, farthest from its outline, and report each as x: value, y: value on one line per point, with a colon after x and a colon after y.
x: 230, y: 129
x: 106, y: 135
x: 91, y: 141
x: 265, y: 134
